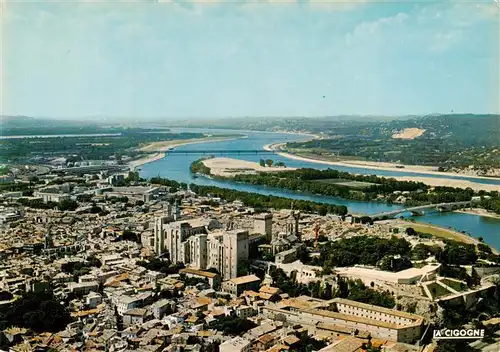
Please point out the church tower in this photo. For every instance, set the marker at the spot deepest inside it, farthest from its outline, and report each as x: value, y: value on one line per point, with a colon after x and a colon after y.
x: 48, y: 243
x: 159, y: 236
x: 177, y: 210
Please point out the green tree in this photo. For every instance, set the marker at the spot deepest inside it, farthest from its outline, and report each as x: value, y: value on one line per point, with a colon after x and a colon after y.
x: 410, y: 231
x: 233, y: 325
x: 67, y: 204
x: 38, y: 311
x: 420, y: 251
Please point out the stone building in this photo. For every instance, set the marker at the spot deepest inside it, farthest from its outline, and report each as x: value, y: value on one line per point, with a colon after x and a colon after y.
x: 263, y: 224
x: 227, y: 251
x: 292, y: 223
x: 237, y: 285
x: 379, y: 322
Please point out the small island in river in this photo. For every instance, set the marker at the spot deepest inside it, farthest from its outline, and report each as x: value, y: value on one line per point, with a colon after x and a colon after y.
x: 228, y: 167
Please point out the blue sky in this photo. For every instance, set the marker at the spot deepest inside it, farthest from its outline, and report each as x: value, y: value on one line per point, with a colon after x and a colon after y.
x: 166, y: 59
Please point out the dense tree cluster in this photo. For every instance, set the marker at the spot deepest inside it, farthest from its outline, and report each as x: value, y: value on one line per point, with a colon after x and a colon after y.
x: 394, y: 263
x: 63, y: 205
x: 163, y: 266
x: 67, y: 204
x: 492, y: 203
x: 129, y: 235
x: 306, y: 180
x: 78, y: 269
x: 356, y: 290
x: 38, y: 311
x: 114, y: 200
x: 485, y: 252
x: 422, y: 251
x: 459, y: 273
x: 457, y: 253
x: 359, y: 250
x: 339, y: 287
x: 309, y: 344
x: 266, y: 201
x: 198, y: 167
x: 36, y: 203
x: 14, y: 187
x: 233, y: 325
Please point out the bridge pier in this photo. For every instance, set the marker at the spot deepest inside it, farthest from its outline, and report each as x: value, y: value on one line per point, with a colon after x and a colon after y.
x: 420, y: 210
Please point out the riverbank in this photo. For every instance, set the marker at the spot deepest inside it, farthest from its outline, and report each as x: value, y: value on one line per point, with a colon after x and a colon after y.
x: 480, y: 212
x: 159, y: 147
x: 134, y: 164
x: 166, y: 145
x: 439, y: 232
x: 228, y: 167
x: 444, y: 180
x: 450, y: 182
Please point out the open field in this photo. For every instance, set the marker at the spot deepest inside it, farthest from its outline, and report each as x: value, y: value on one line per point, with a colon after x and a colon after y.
x: 437, y: 231
x: 228, y: 167
x: 347, y: 183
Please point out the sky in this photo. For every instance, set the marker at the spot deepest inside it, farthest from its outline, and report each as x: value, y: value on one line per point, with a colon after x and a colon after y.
x: 170, y: 59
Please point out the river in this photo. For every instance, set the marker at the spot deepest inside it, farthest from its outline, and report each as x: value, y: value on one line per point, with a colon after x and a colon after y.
x: 176, y: 167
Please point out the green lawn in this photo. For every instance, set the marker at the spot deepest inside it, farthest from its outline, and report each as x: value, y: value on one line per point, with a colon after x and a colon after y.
x: 457, y: 286
x: 441, y: 232
x: 437, y: 291
x: 346, y: 183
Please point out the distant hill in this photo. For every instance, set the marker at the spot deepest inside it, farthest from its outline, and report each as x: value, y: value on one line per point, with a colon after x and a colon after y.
x: 26, y: 125
x: 461, y: 129
x: 448, y: 141
x: 9, y: 121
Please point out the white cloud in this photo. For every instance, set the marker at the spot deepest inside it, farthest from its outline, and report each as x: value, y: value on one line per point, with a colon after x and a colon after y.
x: 370, y: 29
x: 448, y: 24
x: 458, y: 14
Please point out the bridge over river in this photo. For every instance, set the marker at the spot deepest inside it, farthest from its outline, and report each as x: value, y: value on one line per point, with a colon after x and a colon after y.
x: 416, y: 210
x: 215, y: 151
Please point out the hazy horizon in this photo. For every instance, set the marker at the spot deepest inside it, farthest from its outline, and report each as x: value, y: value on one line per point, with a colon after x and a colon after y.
x: 174, y: 61
x: 130, y: 119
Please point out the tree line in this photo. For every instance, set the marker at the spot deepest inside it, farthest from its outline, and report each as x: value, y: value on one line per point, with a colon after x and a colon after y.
x: 306, y: 180
x: 261, y: 202
x: 258, y: 201
x: 64, y: 205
